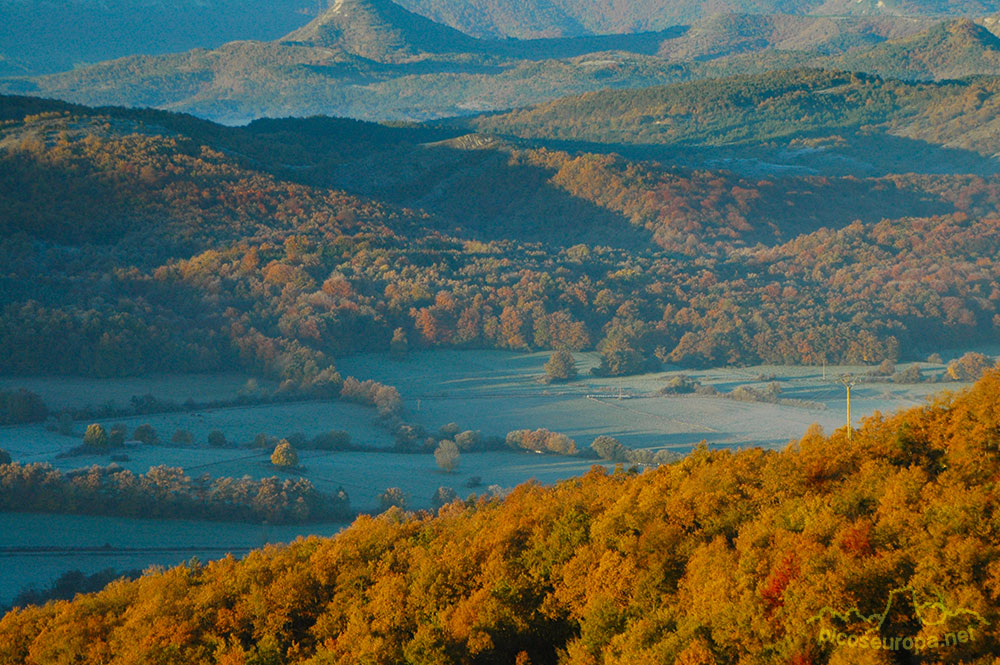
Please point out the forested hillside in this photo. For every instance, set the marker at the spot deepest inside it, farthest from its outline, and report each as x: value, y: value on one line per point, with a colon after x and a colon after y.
x: 946, y: 51
x: 749, y: 557
x: 142, y: 241
x: 762, y: 108
x: 721, y: 35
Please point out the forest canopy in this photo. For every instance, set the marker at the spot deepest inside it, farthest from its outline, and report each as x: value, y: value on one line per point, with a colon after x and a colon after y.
x: 246, y: 263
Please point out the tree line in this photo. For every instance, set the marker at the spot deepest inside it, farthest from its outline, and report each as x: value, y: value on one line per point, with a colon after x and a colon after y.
x: 166, y: 492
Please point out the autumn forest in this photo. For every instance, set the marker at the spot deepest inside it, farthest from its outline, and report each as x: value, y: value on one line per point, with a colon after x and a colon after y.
x: 501, y: 333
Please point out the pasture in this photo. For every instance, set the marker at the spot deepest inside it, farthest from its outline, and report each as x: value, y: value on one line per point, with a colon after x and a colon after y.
x: 36, y: 549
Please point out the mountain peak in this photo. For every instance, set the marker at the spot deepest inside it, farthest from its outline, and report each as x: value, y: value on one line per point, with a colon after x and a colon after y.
x: 950, y: 49
x: 968, y: 31
x: 380, y: 30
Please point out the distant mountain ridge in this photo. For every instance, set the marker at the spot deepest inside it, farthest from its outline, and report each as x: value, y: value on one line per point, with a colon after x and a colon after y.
x: 947, y: 50
x: 374, y: 59
x: 45, y: 36
x: 492, y: 18
x: 382, y: 31
x: 722, y: 35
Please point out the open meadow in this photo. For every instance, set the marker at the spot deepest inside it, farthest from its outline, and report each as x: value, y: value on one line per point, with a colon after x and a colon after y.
x: 37, y: 549
x: 499, y: 391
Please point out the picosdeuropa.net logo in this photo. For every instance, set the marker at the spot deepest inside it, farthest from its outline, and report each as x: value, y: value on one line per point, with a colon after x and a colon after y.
x: 937, y: 625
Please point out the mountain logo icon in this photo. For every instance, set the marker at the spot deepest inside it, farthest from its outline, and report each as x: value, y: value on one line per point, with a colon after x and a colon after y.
x: 855, y: 629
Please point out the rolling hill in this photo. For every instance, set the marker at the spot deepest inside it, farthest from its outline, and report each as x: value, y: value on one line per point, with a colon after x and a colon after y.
x: 778, y: 116
x: 947, y: 50
x: 722, y: 35
x: 382, y: 31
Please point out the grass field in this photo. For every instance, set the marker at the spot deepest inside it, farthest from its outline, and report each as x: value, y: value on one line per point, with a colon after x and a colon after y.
x: 34, y: 443
x: 92, y: 544
x: 498, y: 391
x: 62, y: 392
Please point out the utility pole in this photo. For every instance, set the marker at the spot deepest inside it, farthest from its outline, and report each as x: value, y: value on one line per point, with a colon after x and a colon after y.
x: 848, y: 382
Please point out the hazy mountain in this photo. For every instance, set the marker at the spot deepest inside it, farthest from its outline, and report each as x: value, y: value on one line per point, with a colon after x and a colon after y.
x: 382, y: 31
x: 528, y: 19
x: 991, y: 23
x: 363, y: 58
x: 42, y: 36
x: 568, y: 17
x: 55, y: 35
x: 373, y: 59
x: 947, y: 50
x: 728, y: 34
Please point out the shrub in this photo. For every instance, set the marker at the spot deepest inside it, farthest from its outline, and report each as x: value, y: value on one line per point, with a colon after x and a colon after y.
x: 442, y: 497
x: 679, y: 385
x: 284, y: 455
x: 911, y: 374
x: 332, y: 440
x: 469, y: 439
x: 116, y: 438
x: 392, y: 497
x: 21, y: 406
x: 145, y: 434
x: 65, y: 424
x: 399, y: 347
x: 182, y: 438
x: 969, y: 367
x: 449, y: 430
x: 541, y: 440
x: 561, y: 366
x: 447, y: 455
x: 621, y: 362
x: 262, y: 440
x: 609, y: 448
x: 95, y: 436
x: 388, y: 401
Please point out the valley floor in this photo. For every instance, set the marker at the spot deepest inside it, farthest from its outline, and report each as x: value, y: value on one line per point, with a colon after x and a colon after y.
x: 491, y: 391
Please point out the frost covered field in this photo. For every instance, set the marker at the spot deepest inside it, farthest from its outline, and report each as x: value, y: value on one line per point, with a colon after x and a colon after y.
x: 497, y: 391
x: 36, y: 549
x: 61, y: 392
